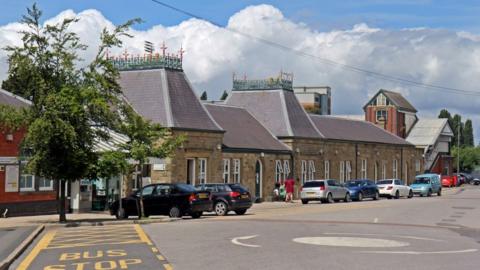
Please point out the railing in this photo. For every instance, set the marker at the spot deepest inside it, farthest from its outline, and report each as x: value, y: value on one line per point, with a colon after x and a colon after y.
x: 283, y: 81
x: 147, y: 62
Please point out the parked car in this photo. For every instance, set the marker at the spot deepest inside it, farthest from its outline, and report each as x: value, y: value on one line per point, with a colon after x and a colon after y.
x: 468, y: 177
x: 326, y: 191
x: 174, y: 200
x: 449, y: 181
x: 426, y: 185
x: 394, y: 188
x: 362, y: 188
x: 228, y: 197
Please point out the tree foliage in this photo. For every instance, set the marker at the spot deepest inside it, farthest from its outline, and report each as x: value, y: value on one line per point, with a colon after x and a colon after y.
x: 468, y: 139
x: 224, y: 95
x: 469, y: 157
x: 204, y: 96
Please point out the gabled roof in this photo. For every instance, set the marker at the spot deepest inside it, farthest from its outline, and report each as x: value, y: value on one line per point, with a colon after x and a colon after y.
x: 336, y: 128
x: 427, y: 131
x: 396, y: 99
x: 7, y: 98
x: 278, y: 110
x: 166, y: 97
x: 242, y: 130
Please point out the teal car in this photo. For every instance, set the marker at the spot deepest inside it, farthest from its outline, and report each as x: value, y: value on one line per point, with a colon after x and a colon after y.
x: 426, y: 185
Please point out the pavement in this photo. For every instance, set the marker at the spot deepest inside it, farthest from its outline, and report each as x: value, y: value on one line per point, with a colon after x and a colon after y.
x: 11, y: 238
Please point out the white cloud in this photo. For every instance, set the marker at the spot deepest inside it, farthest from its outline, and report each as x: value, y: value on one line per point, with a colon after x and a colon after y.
x: 432, y: 56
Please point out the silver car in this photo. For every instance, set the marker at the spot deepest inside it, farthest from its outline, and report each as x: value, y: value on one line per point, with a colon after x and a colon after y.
x: 326, y: 191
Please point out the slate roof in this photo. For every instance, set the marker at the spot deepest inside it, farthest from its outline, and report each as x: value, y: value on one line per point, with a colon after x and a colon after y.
x: 278, y: 110
x: 336, y: 128
x: 242, y: 130
x: 427, y: 131
x: 7, y: 98
x: 167, y: 98
x: 396, y: 99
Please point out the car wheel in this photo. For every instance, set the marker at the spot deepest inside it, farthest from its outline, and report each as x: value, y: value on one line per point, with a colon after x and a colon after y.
x: 330, y: 198
x: 389, y: 197
x: 196, y: 214
x: 439, y: 193
x: 304, y: 201
x: 377, y: 196
x: 421, y: 194
x: 241, y: 212
x: 397, y: 195
x: 347, y: 198
x: 410, y: 194
x: 175, y: 212
x: 121, y: 214
x: 221, y: 209
x: 429, y: 193
x: 360, y: 196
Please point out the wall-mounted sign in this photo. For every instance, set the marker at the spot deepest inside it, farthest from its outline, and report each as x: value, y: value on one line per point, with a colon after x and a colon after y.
x: 159, y: 167
x: 8, y: 160
x: 11, y: 178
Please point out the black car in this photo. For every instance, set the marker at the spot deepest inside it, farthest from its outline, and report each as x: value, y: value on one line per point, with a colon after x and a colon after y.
x: 174, y: 200
x: 228, y: 197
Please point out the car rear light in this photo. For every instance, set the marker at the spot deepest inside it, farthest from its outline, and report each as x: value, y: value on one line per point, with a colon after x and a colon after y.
x: 322, y: 187
x: 234, y: 194
x: 192, y: 197
x: 389, y: 188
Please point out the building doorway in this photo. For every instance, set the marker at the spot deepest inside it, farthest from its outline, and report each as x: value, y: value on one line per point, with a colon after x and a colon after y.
x: 191, y: 171
x: 258, y: 179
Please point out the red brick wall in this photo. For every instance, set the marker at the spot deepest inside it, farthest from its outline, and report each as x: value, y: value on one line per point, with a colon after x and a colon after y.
x: 395, y: 120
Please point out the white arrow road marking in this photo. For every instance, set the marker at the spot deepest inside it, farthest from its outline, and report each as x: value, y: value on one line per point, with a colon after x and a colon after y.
x: 236, y: 242
x: 421, y: 252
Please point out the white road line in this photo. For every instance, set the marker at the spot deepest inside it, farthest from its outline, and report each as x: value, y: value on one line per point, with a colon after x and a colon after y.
x: 421, y: 252
x: 375, y: 220
x: 236, y: 242
x: 391, y: 235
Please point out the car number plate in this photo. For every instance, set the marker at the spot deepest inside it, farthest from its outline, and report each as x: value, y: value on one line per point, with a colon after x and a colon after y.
x: 244, y: 196
x: 202, y: 196
x: 311, y: 193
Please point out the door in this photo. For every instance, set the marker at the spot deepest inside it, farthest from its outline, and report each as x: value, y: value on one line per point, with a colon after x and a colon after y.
x: 163, y: 198
x: 258, y: 179
x: 191, y: 171
x: 148, y: 200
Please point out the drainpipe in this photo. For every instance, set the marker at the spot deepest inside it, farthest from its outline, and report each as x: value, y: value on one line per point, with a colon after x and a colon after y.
x: 356, y: 161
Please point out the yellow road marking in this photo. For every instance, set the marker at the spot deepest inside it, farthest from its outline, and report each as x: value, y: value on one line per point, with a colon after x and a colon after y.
x: 88, y: 244
x: 154, y: 249
x: 42, y: 244
x: 160, y: 257
x: 143, y: 236
x: 167, y: 266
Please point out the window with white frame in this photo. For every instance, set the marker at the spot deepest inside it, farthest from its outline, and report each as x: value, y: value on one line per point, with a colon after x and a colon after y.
x: 348, y: 170
x: 286, y: 169
x: 45, y: 184
x: 417, y: 166
x: 27, y: 182
x: 364, y: 168
x: 311, y: 169
x: 381, y: 100
x: 278, y: 171
x: 395, y: 169
x: 405, y: 172
x: 342, y: 171
x: 226, y: 170
x: 381, y: 115
x: 384, y: 170
x: 236, y: 170
x: 375, y: 171
x: 326, y: 164
x: 304, y: 171
x: 202, y: 175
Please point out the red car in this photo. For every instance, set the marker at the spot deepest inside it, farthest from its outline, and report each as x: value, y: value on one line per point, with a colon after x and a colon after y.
x: 449, y: 181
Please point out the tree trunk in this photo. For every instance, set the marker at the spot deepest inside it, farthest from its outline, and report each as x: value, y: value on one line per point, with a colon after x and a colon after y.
x: 62, y: 216
x: 141, y: 210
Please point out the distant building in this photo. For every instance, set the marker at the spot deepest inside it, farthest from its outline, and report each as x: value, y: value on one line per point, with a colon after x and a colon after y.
x: 315, y: 99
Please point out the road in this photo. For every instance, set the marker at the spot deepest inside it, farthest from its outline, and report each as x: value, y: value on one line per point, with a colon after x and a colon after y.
x: 419, y: 233
x: 10, y: 238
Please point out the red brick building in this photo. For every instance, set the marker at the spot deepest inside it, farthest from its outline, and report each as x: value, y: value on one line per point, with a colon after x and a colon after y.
x: 21, y: 193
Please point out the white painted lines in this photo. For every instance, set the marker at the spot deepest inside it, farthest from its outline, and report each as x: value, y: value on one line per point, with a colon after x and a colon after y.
x: 375, y: 220
x: 389, y: 235
x: 350, y: 242
x: 236, y: 242
x: 422, y: 252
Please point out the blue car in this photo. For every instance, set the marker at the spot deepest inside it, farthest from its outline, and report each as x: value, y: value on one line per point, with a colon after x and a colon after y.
x: 362, y: 188
x: 427, y: 184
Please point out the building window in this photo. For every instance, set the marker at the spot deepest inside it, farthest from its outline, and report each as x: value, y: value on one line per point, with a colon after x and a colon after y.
x: 226, y: 170
x: 405, y: 172
x: 348, y: 170
x: 278, y: 171
x: 384, y: 170
x: 304, y: 171
x: 236, y: 170
x: 395, y: 169
x: 375, y: 171
x: 381, y: 100
x: 364, y: 169
x: 342, y: 171
x: 327, y: 169
x: 286, y: 169
x: 311, y: 169
x: 27, y: 182
x: 202, y: 176
x: 45, y: 184
x: 417, y: 166
x: 382, y: 115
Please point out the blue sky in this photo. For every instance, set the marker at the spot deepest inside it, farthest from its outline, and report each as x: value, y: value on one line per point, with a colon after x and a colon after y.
x: 320, y: 15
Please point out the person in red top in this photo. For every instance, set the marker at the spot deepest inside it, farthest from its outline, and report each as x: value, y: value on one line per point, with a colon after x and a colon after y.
x: 289, y: 187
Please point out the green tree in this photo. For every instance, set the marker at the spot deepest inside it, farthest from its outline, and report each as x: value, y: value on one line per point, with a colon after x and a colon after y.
x: 204, y: 96
x: 224, y: 95
x: 468, y: 139
x: 469, y: 158
x: 457, y: 127
x: 71, y: 107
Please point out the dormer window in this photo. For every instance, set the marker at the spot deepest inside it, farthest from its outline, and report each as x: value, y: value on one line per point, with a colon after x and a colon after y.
x: 381, y: 100
x: 382, y: 115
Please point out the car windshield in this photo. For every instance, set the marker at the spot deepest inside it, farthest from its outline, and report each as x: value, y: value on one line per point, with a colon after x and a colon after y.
x: 354, y: 183
x: 314, y: 184
x: 186, y: 187
x: 422, y: 180
x: 239, y: 188
x: 384, y: 182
